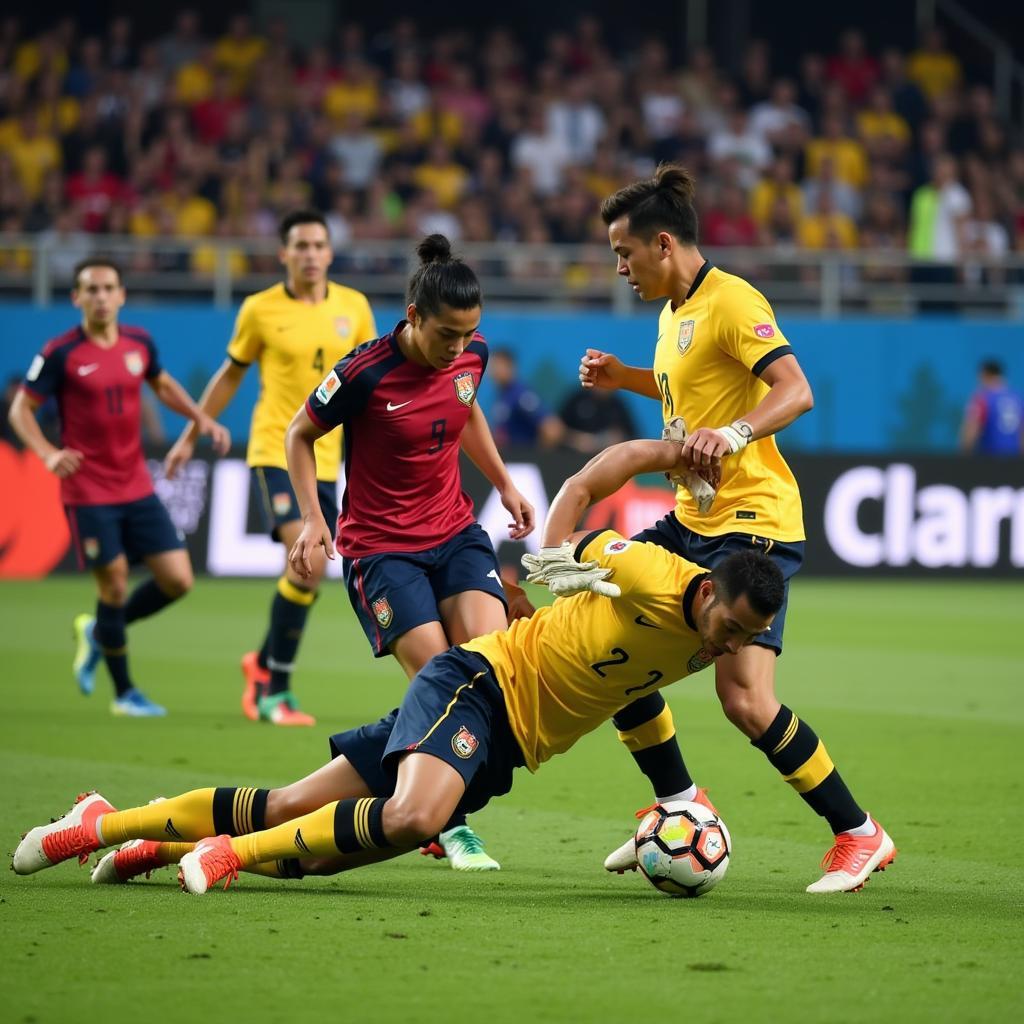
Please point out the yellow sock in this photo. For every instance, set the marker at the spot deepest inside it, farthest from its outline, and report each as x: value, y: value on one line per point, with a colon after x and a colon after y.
x: 171, y: 853
x: 312, y: 835
x: 192, y: 816
x: 286, y: 868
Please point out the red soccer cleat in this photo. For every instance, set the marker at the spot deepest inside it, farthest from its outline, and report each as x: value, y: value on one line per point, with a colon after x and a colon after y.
x: 209, y: 862
x: 256, y: 678
x: 136, y: 857
x: 74, y: 835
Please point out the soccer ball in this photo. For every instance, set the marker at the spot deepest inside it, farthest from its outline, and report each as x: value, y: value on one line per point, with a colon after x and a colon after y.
x: 683, y: 848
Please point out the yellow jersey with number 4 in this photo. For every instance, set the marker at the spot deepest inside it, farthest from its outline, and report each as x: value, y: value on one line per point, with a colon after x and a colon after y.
x: 711, y: 352
x: 296, y: 344
x: 573, y: 665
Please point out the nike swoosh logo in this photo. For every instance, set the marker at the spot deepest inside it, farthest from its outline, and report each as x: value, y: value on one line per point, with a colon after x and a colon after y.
x: 401, y: 405
x: 84, y: 371
x: 641, y: 621
x: 494, y: 573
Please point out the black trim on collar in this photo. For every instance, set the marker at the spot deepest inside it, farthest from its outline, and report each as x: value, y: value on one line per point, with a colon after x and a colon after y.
x: 291, y: 294
x: 706, y: 267
x: 689, y: 595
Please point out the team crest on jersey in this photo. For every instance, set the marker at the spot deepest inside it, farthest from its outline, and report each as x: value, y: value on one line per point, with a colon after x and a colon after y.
x: 698, y: 661
x: 464, y: 743
x: 615, y: 547
x: 282, y: 503
x: 382, y: 612
x: 685, y: 338
x: 343, y: 325
x: 133, y: 361
x: 330, y: 384
x: 91, y: 547
x: 465, y: 389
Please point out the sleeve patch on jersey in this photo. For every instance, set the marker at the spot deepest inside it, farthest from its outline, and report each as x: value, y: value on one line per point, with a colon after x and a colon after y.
x: 35, y: 369
x: 616, y: 547
x: 764, y: 331
x: 331, y: 383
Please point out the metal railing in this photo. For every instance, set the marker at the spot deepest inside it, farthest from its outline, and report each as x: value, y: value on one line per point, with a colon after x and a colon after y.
x: 223, y: 271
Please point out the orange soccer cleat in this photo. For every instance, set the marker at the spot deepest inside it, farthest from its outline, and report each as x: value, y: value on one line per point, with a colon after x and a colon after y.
x: 74, y: 835
x: 256, y: 679
x: 134, y: 858
x: 209, y: 862
x: 852, y: 859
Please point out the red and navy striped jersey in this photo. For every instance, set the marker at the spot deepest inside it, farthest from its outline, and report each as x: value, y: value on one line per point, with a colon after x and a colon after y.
x: 98, y: 395
x: 403, y: 422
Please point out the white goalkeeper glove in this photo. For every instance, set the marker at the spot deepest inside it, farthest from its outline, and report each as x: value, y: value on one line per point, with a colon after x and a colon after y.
x: 563, y: 575
x: 700, y: 490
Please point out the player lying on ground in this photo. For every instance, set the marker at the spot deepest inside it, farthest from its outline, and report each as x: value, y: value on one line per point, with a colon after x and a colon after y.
x: 470, y: 717
x: 95, y: 373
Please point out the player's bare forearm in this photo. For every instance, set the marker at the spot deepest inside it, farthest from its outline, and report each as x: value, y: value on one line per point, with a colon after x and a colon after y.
x: 174, y: 397
x: 640, y: 380
x: 299, y: 450
x: 22, y: 418
x: 789, y: 398
x: 603, y: 475
x: 218, y: 393
x: 478, y: 443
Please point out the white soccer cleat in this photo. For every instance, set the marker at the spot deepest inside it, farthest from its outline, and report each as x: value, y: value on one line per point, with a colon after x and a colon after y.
x: 852, y: 859
x: 74, y: 835
x: 209, y: 862
x: 465, y: 850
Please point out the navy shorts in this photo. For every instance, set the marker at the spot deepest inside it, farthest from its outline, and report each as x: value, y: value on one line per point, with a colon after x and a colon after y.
x: 395, y: 592
x: 669, y: 533
x: 277, y: 499
x: 453, y: 709
x: 135, y: 529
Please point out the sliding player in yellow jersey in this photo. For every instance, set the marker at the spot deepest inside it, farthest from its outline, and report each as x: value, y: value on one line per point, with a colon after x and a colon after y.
x: 510, y: 699
x: 295, y: 331
x: 723, y: 365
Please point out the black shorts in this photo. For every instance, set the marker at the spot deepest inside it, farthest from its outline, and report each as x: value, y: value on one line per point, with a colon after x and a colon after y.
x: 135, y: 529
x: 277, y: 499
x: 454, y: 710
x: 394, y: 592
x: 669, y: 533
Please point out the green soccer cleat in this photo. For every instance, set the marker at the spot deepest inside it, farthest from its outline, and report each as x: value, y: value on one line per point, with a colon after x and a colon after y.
x: 281, y: 709
x: 465, y: 850
x: 88, y: 654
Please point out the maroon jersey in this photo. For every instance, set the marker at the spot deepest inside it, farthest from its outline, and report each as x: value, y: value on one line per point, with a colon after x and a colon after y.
x: 403, y: 422
x: 97, y: 391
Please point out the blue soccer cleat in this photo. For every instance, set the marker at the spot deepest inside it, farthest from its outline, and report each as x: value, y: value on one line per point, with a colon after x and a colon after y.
x: 135, y: 704
x: 88, y: 655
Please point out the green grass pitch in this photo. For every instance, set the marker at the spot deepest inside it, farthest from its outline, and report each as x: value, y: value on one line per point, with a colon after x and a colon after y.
x: 916, y: 689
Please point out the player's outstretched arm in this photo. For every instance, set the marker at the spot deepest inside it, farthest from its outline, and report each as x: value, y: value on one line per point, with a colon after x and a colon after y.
x: 177, y: 399
x: 603, y: 370
x: 478, y: 443
x: 298, y: 445
x: 214, y: 400
x: 61, y: 462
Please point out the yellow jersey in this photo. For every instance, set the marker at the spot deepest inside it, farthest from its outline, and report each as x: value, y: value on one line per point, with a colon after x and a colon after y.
x: 710, y: 353
x: 296, y: 344
x: 574, y: 664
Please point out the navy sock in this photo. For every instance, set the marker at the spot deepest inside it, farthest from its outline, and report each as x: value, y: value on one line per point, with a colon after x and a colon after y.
x: 145, y: 600
x: 288, y: 614
x: 110, y: 635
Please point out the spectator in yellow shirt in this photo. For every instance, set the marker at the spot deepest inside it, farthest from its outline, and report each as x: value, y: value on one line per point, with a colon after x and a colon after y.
x: 826, y: 227
x: 847, y: 155
x: 194, y: 215
x: 884, y: 132
x: 441, y: 175
x: 933, y: 68
x: 239, y: 51
x: 776, y: 187
x: 357, y: 92
x: 33, y: 154
x: 193, y: 82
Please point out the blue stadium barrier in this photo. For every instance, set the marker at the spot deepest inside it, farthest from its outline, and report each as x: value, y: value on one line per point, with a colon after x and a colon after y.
x: 880, y: 385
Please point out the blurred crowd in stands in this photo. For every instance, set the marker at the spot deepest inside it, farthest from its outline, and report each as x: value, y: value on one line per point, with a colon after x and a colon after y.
x: 203, y: 134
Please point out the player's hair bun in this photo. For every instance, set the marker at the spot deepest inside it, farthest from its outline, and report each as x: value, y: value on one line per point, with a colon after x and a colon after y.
x: 674, y: 178
x: 434, y: 249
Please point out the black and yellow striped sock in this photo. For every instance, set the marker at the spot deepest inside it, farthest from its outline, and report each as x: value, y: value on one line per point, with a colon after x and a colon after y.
x: 649, y: 734
x: 346, y: 826
x: 192, y: 816
x: 288, y: 614
x: 288, y: 867
x: 794, y: 749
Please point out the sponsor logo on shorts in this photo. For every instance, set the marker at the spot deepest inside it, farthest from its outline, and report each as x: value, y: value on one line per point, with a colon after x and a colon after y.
x: 282, y: 504
x: 91, y: 547
x: 464, y: 743
x: 616, y: 547
x: 343, y: 325
x: 764, y: 331
x: 465, y: 389
x: 133, y: 362
x: 382, y: 612
x: 685, y: 339
x: 331, y: 383
x: 698, y: 661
